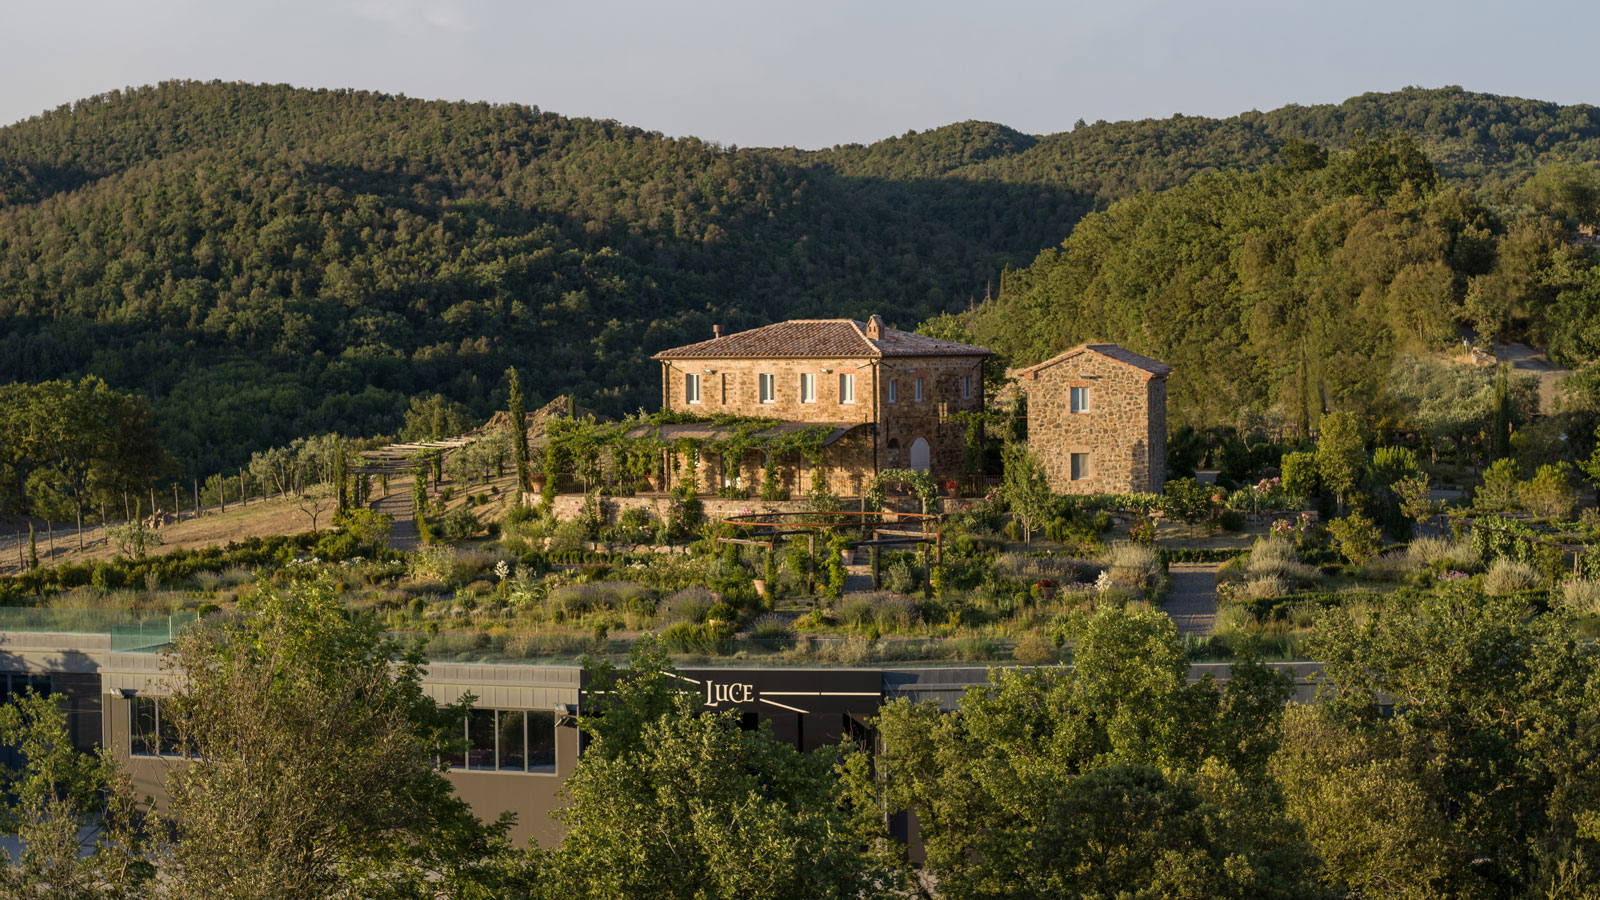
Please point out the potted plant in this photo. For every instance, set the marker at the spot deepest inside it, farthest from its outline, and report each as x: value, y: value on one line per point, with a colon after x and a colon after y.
x: 1047, y: 589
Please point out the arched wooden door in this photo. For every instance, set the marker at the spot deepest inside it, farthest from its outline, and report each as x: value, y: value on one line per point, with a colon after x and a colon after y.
x: 919, y: 455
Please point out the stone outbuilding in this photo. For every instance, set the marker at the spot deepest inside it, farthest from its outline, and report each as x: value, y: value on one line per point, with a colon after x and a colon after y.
x: 1097, y: 419
x: 891, y: 396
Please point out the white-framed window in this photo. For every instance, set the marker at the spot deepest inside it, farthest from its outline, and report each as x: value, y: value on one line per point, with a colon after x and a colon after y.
x: 916, y: 390
x: 966, y: 387
x: 847, y: 388
x: 1080, y: 399
x: 691, y: 387
x: 767, y: 389
x: 1080, y: 466
x: 149, y: 732
x: 808, y: 388
x: 894, y: 390
x: 508, y: 740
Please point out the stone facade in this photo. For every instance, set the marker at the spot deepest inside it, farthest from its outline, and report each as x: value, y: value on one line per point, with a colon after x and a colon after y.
x: 1120, y: 439
x: 907, y: 430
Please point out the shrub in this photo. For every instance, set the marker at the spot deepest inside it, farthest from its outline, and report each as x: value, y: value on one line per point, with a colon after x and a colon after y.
x: 708, y: 639
x: 772, y: 629
x: 1231, y: 520
x: 1263, y: 586
x: 901, y: 577
x: 893, y: 612
x: 518, y: 515
x: 1132, y: 565
x: 1392, y: 566
x: 1548, y: 494
x: 1441, y: 552
x: 688, y: 605
x: 854, y: 612
x: 1035, y: 650
x: 1356, y: 536
x: 1499, y: 488
x: 1507, y: 576
x: 1581, y: 597
x: 721, y: 612
x: 1233, y: 620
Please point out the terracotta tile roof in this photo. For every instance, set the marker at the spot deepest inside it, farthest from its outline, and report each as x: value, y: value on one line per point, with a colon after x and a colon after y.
x: 819, y: 339
x: 1154, y: 367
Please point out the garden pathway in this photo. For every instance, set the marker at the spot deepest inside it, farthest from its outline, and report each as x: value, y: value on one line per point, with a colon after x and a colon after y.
x: 1192, y: 601
x: 397, y: 506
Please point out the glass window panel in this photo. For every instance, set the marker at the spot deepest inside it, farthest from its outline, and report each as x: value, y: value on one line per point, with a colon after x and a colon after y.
x: 916, y: 390
x: 847, y: 388
x: 456, y: 759
x: 513, y: 739
x: 1080, y: 466
x: 808, y: 388
x: 966, y: 387
x: 39, y: 684
x: 5, y: 688
x: 480, y: 739
x: 894, y: 390
x: 766, y: 389
x: 142, y: 726
x: 691, y: 388
x: 1080, y: 399
x: 167, y: 731
x: 542, y: 742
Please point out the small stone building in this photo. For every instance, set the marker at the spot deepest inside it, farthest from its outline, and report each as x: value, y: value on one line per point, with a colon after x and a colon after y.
x: 891, y: 396
x: 1097, y: 419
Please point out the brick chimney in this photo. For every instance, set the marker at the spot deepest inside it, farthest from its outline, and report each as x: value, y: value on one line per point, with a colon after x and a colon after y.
x: 875, y: 327
x: 716, y: 331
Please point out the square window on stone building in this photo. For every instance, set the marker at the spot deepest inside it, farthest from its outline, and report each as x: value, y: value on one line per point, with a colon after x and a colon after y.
x: 691, y: 388
x: 1080, y: 399
x: 808, y: 388
x: 1080, y: 466
x: 768, y: 389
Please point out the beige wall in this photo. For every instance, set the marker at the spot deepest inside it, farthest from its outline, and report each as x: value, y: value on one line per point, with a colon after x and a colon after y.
x: 1124, y: 431
x: 905, y: 420
x: 732, y: 386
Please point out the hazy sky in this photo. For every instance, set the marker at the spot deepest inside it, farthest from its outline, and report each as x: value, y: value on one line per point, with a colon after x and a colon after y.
x: 815, y: 72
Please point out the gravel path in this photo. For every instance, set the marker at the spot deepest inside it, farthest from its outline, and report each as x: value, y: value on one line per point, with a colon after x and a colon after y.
x: 397, y: 505
x: 1192, y: 601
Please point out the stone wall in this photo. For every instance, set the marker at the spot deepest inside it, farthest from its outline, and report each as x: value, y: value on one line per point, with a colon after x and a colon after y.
x: 1123, y: 433
x: 732, y: 387
x: 847, y: 465
x: 905, y: 420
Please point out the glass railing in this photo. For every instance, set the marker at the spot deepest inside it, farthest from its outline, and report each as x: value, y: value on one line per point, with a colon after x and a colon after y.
x: 129, y: 631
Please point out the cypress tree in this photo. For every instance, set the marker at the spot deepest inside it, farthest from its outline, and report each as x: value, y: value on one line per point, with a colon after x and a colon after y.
x: 340, y: 477
x: 33, y: 548
x: 1500, y: 437
x: 519, y: 429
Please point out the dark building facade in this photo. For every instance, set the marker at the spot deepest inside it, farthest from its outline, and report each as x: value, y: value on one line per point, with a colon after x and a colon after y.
x: 522, y: 731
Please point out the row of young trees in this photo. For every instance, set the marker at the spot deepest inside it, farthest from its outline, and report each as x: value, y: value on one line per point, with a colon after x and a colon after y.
x: 1450, y: 754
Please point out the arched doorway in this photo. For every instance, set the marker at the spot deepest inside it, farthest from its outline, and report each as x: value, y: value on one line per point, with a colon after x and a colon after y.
x: 919, y: 455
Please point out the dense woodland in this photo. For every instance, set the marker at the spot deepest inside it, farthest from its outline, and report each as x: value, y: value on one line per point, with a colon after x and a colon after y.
x: 264, y: 262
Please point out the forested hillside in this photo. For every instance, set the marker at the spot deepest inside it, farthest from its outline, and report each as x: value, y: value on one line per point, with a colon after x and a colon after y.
x: 266, y: 262
x: 1294, y: 289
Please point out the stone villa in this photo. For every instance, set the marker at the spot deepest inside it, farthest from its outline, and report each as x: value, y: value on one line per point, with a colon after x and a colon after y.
x: 1097, y: 419
x: 889, y: 396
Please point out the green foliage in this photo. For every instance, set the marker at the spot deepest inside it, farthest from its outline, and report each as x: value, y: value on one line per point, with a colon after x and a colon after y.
x: 80, y: 833
x: 70, y: 446
x: 1185, y: 500
x: 1356, y: 536
x: 297, y: 671
x: 1026, y: 489
x: 1341, y: 453
x: 517, y: 412
x: 1093, y: 780
x: 732, y: 813
x: 1498, y: 491
x: 1300, y: 475
x: 1481, y: 783
x: 1549, y: 493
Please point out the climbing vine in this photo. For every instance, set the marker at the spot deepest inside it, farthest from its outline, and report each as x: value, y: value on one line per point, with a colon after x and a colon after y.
x: 920, y: 483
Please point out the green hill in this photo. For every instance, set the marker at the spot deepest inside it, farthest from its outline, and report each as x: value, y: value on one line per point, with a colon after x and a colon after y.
x: 266, y: 262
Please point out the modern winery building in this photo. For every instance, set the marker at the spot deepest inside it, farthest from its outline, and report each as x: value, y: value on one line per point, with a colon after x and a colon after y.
x: 522, y: 732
